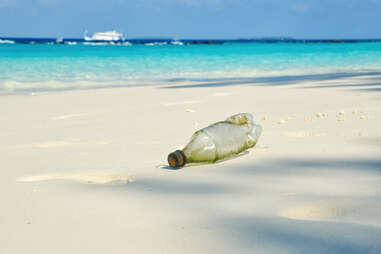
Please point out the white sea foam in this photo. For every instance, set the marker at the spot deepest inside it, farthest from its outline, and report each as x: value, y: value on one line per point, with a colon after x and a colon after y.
x: 96, y: 43
x: 6, y: 41
x: 105, y: 43
x: 156, y: 43
x: 177, y: 43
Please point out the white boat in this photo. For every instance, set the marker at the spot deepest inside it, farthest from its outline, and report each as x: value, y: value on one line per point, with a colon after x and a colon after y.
x: 104, y: 36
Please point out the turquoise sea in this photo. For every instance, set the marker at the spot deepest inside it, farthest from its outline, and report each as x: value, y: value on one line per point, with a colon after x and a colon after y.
x: 50, y: 66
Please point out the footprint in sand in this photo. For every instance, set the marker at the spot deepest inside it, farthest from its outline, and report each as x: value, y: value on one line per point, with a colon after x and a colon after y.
x: 311, y: 212
x: 84, y: 178
x: 63, y: 117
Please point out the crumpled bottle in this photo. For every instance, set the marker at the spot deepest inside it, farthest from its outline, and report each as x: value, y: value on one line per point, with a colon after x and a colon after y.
x: 218, y: 141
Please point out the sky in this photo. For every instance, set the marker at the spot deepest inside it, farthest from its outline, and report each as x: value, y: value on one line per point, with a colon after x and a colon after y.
x: 218, y: 19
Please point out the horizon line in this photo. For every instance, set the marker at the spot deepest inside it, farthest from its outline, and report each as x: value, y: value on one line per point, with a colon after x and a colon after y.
x: 211, y: 38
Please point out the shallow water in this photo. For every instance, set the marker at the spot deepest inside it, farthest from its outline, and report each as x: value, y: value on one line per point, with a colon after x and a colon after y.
x: 36, y: 67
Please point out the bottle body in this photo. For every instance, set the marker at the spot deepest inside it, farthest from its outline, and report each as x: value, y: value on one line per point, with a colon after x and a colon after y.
x: 222, y: 139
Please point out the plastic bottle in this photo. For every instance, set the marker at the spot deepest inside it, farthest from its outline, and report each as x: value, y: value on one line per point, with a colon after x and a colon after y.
x: 218, y: 141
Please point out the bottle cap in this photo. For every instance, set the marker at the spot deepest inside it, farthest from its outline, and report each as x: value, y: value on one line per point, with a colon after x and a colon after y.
x: 176, y: 159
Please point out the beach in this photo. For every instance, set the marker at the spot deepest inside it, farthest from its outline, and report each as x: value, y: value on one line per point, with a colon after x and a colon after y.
x: 85, y: 171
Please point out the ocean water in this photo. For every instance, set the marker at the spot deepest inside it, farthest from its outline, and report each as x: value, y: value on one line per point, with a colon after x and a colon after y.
x: 49, y: 66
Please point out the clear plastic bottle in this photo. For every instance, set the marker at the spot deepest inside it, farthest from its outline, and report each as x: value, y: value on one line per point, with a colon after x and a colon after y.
x: 218, y: 141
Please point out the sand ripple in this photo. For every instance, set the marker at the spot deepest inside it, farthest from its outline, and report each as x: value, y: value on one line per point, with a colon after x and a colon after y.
x: 86, y: 178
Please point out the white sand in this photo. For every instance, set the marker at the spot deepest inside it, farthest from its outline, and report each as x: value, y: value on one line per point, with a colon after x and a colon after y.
x: 84, y: 171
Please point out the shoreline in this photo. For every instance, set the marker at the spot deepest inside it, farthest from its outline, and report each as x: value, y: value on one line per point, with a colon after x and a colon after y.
x: 371, y: 79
